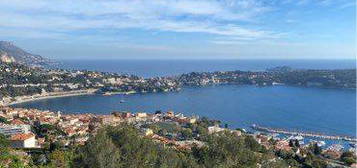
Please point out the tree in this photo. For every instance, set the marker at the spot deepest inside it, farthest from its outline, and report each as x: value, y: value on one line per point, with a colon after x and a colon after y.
x: 3, y: 120
x: 252, y: 144
x: 4, y: 142
x: 348, y: 157
x: 186, y: 133
x: 129, y: 150
x: 225, y: 125
x: 60, y: 158
x: 316, y: 149
x: 202, y: 131
x: 313, y: 161
x: 101, y: 152
x: 225, y: 150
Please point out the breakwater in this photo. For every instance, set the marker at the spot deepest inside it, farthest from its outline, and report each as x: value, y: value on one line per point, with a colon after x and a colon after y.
x: 304, y: 134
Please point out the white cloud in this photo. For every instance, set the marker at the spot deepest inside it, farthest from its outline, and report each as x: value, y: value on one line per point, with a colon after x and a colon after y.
x: 194, y: 16
x: 347, y: 5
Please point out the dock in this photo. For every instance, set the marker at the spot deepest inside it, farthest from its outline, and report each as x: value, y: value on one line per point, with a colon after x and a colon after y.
x: 304, y: 134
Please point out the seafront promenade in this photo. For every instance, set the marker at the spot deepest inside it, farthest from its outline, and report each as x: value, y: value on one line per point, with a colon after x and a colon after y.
x: 304, y: 134
x: 23, y: 99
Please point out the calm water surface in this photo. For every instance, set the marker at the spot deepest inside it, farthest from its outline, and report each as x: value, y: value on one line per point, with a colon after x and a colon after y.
x: 331, y: 111
x: 150, y: 68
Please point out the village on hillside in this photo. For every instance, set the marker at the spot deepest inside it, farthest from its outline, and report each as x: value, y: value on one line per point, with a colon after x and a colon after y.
x: 32, y: 129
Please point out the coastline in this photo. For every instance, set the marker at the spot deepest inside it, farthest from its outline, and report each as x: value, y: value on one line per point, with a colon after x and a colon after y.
x: 303, y: 134
x: 24, y: 99
x: 51, y: 95
x: 109, y: 94
x: 118, y: 93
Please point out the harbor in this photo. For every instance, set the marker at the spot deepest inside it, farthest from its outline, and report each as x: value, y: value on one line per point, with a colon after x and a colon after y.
x: 304, y: 134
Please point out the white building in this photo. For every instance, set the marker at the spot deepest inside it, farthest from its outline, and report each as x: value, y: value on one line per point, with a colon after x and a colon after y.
x: 141, y: 115
x: 214, y: 129
x: 23, y: 141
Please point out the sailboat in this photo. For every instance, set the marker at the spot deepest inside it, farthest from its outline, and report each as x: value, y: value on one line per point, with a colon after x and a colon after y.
x: 122, y: 99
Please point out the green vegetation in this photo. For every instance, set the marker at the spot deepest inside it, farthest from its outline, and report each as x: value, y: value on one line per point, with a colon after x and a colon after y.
x: 348, y: 158
x: 18, y: 80
x: 7, y: 156
x: 123, y: 146
x: 3, y: 120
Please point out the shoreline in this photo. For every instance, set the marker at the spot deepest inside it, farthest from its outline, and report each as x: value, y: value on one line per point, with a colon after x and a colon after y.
x: 51, y: 95
x: 303, y: 134
x: 118, y: 93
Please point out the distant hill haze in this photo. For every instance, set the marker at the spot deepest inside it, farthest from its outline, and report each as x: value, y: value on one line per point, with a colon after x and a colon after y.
x: 11, y: 53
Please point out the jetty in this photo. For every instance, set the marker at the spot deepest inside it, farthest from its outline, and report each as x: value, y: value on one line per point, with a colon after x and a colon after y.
x: 304, y: 134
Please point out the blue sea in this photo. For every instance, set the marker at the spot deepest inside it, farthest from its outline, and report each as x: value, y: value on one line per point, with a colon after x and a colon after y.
x: 151, y: 68
x: 329, y: 111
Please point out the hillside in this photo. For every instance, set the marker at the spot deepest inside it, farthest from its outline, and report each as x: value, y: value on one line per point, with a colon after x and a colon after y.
x: 11, y: 53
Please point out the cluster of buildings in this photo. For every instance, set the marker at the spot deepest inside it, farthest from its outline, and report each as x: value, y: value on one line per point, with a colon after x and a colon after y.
x: 287, y: 143
x: 25, y: 84
x: 22, y: 126
x: 227, y: 77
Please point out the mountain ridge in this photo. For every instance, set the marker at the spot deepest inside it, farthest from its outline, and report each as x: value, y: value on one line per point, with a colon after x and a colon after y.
x: 9, y: 52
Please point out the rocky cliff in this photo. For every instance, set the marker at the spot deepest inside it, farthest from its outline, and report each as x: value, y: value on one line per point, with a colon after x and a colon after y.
x: 11, y: 53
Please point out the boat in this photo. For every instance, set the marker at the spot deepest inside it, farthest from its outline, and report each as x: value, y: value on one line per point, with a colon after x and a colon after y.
x: 122, y: 101
x: 107, y: 94
x: 353, y: 145
x: 321, y: 143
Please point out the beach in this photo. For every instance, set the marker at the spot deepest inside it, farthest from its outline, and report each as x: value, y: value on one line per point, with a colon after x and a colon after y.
x: 23, y: 99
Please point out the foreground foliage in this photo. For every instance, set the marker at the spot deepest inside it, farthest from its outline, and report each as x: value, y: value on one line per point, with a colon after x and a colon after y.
x: 124, y: 146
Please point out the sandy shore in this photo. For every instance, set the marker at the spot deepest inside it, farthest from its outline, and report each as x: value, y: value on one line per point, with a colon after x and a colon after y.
x: 50, y: 96
x: 119, y: 93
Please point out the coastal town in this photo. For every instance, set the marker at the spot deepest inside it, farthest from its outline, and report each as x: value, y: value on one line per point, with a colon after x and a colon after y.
x: 29, y: 130
x: 178, y: 84
x: 21, y: 83
x: 34, y: 135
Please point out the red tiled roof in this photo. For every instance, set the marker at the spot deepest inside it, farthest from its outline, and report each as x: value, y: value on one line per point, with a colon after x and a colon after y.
x: 21, y: 137
x: 17, y: 122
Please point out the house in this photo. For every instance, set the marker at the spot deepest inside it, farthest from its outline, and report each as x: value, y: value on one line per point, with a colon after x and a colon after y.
x: 214, y: 129
x: 192, y: 120
x: 170, y: 114
x: 125, y: 115
x: 237, y: 132
x: 147, y: 131
x: 109, y: 119
x: 141, y: 115
x: 23, y: 141
x: 282, y: 145
x: 332, y: 154
x: 70, y: 131
x: 17, y: 122
x: 261, y: 138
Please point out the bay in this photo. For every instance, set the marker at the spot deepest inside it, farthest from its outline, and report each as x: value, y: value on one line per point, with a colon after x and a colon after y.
x: 329, y: 111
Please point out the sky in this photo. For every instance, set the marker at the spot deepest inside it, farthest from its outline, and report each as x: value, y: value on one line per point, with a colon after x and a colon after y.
x: 182, y: 29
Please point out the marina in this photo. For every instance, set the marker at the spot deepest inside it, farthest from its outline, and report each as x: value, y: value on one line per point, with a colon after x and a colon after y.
x: 303, y: 134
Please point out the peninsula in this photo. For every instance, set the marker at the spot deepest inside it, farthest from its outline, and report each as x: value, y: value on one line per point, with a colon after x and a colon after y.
x: 22, y: 83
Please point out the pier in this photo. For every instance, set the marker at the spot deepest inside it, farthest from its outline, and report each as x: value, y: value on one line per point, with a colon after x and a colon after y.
x: 304, y: 134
